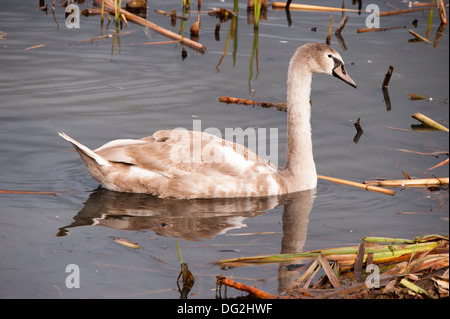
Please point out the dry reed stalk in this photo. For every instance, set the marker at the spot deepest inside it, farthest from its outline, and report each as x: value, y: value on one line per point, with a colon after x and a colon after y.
x: 387, y: 77
x: 397, y: 12
x: 27, y: 192
x: 423, y: 182
x: 167, y: 33
x: 363, y: 30
x: 434, y: 154
x: 427, y: 121
x: 91, y: 11
x: 310, y: 272
x: 233, y: 100
x: 412, y: 257
x: 97, y: 38
x: 152, y: 43
x: 35, y: 47
x: 441, y: 9
x: 418, y: 36
x: 444, y: 162
x: 412, y: 213
x: 330, y: 26
x: 419, y: 4
x: 328, y: 271
x: 430, y: 262
x: 358, y: 185
x: 127, y: 243
x: 306, y: 7
x: 359, y: 261
x: 221, y: 280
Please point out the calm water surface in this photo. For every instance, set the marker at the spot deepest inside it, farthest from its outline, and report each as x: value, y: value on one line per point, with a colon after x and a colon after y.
x: 101, y: 91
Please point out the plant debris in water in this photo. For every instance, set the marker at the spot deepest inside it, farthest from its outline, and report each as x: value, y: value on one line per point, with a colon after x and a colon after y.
x: 380, y: 267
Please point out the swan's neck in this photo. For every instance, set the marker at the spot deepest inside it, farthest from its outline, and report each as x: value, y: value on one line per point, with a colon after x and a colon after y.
x: 300, y: 162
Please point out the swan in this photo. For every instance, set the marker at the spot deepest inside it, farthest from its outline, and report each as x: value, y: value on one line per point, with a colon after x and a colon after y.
x: 163, y: 165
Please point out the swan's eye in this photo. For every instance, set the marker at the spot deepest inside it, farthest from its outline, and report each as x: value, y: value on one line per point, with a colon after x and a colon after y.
x: 329, y: 55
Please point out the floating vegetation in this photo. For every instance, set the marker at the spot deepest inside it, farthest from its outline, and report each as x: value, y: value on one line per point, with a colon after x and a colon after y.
x: 358, y: 185
x: 421, y: 182
x: 233, y: 100
x: 379, y: 267
x: 418, y: 37
x: 363, y: 30
x: 414, y: 97
x: 34, y: 47
x: 27, y: 192
x: 427, y: 121
x: 127, y: 243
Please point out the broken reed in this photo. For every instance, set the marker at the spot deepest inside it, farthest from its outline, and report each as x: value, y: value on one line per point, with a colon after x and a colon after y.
x: 441, y: 9
x: 427, y: 121
x: 358, y: 185
x: 422, y: 182
x: 418, y: 36
x: 393, y: 250
x: 387, y: 77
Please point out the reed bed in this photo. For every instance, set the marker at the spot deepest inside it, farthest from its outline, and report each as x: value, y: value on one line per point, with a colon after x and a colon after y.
x: 402, y: 263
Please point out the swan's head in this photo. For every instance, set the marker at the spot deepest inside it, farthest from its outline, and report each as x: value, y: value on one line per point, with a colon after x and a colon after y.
x: 321, y: 58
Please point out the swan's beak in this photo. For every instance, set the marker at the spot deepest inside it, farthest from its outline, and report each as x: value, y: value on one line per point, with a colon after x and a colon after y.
x: 340, y: 73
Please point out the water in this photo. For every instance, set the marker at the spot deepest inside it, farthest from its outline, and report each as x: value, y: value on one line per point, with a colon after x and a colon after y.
x: 97, y: 92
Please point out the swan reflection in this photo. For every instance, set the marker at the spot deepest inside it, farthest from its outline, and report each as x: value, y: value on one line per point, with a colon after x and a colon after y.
x: 187, y: 219
x: 198, y: 219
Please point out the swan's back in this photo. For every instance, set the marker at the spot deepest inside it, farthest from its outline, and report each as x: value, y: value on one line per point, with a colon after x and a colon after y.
x: 183, y: 164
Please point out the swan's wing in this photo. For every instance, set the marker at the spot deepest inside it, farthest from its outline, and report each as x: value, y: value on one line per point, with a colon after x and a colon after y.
x: 116, y: 150
x: 181, y: 152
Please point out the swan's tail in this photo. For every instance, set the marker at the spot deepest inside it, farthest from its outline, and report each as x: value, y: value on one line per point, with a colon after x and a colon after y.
x: 83, y: 150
